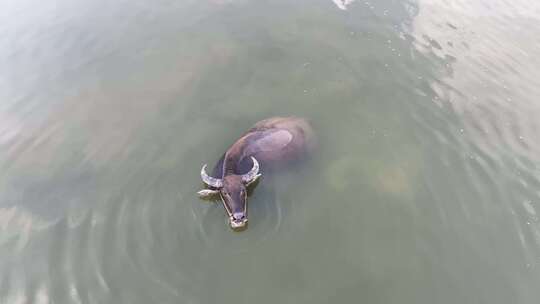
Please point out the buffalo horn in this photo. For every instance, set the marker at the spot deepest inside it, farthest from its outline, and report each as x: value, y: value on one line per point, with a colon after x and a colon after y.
x: 210, y: 181
x: 253, y: 173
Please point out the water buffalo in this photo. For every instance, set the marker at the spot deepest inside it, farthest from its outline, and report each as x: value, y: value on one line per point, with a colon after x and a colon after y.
x: 270, y: 144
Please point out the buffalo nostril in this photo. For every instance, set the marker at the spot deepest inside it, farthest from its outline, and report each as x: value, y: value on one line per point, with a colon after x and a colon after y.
x: 239, y: 216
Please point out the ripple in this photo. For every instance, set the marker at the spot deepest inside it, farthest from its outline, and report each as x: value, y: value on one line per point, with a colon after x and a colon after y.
x: 265, y: 216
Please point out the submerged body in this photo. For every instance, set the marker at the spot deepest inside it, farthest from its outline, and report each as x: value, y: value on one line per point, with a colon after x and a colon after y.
x: 270, y: 144
x: 274, y: 142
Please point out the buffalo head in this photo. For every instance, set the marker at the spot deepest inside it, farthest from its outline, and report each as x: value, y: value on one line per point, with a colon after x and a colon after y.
x: 232, y: 190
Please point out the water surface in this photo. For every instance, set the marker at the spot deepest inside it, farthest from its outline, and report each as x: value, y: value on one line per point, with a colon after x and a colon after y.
x: 425, y: 187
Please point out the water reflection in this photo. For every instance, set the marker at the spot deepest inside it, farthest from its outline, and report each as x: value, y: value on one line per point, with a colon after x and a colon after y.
x: 342, y: 4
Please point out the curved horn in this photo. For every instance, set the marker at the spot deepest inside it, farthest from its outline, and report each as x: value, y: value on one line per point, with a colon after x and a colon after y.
x: 210, y: 181
x: 253, y: 173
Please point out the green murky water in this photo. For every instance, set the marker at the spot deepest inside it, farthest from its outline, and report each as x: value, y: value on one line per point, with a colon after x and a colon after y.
x: 425, y: 187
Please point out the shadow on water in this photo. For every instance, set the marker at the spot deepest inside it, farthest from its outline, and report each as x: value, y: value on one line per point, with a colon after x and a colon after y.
x: 98, y: 199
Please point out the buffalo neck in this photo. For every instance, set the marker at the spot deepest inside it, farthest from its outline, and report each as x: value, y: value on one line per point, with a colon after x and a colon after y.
x: 234, y: 156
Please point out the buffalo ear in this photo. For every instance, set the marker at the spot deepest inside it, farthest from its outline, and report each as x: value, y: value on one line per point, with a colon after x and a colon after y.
x: 207, y: 193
